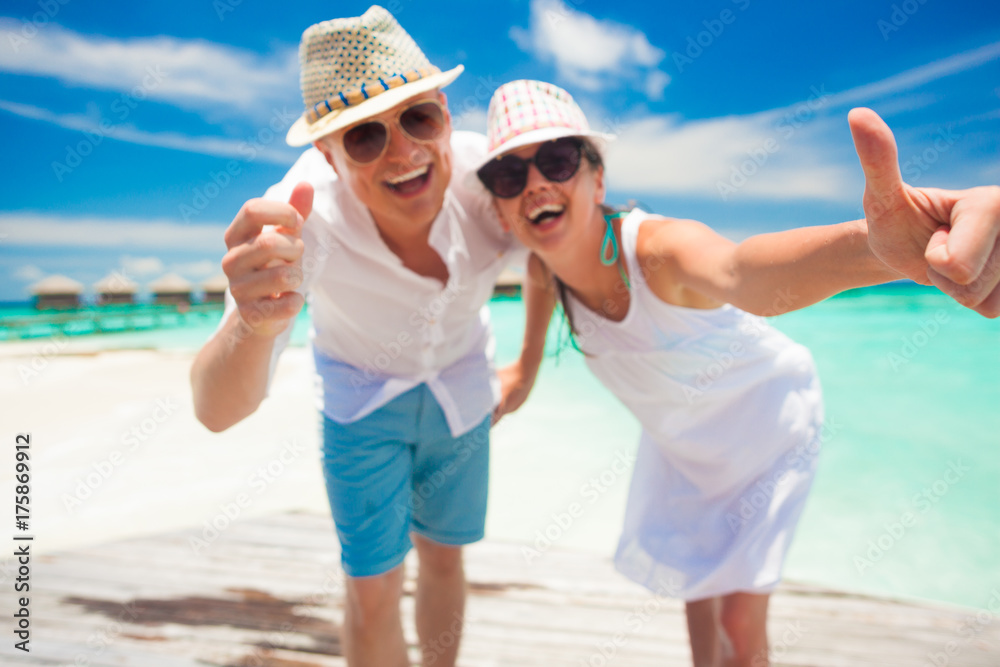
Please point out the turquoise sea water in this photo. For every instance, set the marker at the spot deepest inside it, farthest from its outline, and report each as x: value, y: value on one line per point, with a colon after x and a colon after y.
x: 907, y: 499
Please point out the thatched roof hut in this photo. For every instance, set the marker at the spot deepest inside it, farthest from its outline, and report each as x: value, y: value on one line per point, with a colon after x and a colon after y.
x: 115, y: 288
x: 215, y: 288
x: 56, y: 291
x: 171, y: 289
x: 508, y: 282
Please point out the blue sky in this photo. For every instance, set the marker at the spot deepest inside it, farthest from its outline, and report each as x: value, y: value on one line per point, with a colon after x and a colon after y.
x: 120, y: 120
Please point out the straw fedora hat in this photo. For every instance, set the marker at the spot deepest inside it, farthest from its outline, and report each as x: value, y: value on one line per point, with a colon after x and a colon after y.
x: 358, y: 67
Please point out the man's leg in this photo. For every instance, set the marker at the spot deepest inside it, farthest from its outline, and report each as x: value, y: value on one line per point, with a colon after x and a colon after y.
x: 440, y: 601
x: 367, y: 466
x: 450, y: 480
x: 373, y: 634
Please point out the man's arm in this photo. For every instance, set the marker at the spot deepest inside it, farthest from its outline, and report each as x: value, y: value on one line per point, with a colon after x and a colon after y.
x: 230, y: 373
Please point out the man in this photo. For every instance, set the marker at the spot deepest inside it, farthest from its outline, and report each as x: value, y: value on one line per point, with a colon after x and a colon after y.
x: 398, y: 258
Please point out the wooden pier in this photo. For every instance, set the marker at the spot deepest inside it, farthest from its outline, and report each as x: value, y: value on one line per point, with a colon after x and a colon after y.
x: 268, y: 592
x: 110, y: 318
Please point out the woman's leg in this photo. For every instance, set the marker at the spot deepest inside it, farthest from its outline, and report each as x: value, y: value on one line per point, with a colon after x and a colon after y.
x: 705, y: 632
x: 744, y: 620
x: 729, y: 631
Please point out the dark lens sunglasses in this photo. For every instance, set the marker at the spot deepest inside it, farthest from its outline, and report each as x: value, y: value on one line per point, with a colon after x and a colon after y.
x: 556, y: 160
x: 422, y: 122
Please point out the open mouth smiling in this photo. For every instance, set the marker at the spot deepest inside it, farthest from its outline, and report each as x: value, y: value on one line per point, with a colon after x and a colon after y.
x: 411, y: 182
x: 539, y: 215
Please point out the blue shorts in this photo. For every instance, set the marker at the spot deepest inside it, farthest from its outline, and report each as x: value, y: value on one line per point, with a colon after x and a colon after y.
x: 399, y: 469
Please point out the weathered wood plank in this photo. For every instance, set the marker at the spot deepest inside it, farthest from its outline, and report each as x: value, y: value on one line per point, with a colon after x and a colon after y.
x: 269, y: 591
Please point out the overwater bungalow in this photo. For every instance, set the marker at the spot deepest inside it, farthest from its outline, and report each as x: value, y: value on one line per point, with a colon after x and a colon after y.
x: 56, y: 292
x: 171, y: 289
x: 115, y: 288
x: 215, y: 288
x: 508, y: 283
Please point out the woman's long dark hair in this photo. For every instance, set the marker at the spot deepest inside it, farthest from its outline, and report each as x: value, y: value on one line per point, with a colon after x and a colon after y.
x: 595, y: 160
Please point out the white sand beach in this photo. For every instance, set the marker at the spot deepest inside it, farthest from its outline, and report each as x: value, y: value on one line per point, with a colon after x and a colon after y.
x: 117, y: 452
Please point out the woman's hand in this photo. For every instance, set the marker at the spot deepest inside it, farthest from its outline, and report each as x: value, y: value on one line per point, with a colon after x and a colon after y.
x: 948, y: 238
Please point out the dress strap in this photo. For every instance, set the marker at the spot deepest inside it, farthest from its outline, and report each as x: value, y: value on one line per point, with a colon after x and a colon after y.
x: 630, y: 235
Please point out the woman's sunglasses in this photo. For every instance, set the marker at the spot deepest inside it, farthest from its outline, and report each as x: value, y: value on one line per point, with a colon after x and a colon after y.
x: 422, y: 122
x: 556, y: 160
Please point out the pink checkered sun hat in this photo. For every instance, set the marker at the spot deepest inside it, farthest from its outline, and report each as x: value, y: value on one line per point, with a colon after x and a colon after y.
x: 529, y: 112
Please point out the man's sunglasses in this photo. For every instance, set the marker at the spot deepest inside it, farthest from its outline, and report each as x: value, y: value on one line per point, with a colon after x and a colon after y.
x: 422, y: 122
x: 556, y: 160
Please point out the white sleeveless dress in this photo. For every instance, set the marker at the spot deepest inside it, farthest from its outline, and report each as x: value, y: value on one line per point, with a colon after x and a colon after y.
x: 731, y: 412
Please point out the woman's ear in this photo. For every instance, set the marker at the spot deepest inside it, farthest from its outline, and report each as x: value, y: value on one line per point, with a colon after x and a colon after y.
x: 599, y: 190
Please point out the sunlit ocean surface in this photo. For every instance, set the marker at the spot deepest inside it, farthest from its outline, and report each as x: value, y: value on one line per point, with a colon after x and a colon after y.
x: 907, y: 499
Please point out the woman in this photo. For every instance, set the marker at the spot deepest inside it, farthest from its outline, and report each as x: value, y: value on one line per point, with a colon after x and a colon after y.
x: 667, y: 313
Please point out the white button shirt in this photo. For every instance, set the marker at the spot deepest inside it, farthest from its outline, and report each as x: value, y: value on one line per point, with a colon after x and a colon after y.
x: 378, y: 328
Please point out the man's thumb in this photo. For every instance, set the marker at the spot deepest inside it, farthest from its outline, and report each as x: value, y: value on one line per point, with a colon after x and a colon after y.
x: 302, y: 199
x: 877, y: 151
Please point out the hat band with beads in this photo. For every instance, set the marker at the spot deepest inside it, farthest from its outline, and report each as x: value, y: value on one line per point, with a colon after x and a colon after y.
x: 342, y: 100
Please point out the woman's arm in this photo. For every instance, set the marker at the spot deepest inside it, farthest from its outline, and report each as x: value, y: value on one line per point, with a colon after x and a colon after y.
x: 769, y: 274
x: 517, y: 379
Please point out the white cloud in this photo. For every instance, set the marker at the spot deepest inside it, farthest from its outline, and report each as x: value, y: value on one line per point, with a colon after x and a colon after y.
x: 472, y: 119
x: 29, y: 229
x: 273, y: 151
x: 141, y: 266
x: 656, y: 81
x: 200, y: 269
x: 917, y: 76
x: 191, y: 74
x: 29, y: 273
x: 749, y: 154
x: 590, y: 53
x: 813, y: 156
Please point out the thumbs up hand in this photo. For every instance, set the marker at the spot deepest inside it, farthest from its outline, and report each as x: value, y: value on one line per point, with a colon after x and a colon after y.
x: 264, y: 260
x: 949, y: 238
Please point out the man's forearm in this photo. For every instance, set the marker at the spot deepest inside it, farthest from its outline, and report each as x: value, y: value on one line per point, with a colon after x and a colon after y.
x: 229, y: 375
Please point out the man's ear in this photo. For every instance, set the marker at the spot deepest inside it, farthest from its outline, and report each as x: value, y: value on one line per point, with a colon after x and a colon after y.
x: 327, y: 152
x: 443, y: 99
